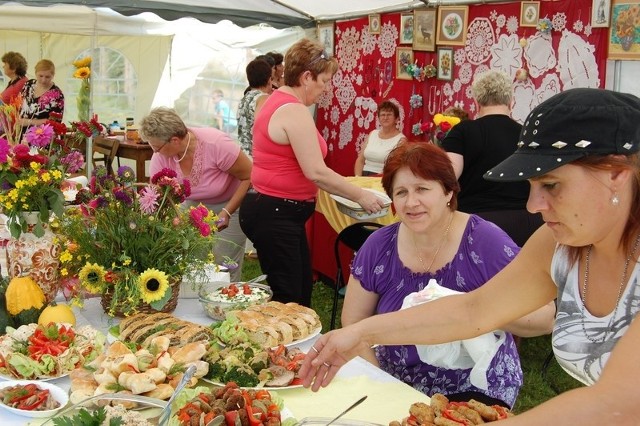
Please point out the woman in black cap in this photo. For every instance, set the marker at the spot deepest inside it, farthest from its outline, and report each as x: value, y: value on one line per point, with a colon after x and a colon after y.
x: 579, y: 152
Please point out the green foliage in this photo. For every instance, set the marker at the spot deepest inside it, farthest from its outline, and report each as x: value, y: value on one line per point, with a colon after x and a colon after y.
x: 27, y: 316
x: 87, y: 418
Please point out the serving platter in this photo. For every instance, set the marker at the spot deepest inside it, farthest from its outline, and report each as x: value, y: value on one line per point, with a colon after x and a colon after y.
x: 290, y: 345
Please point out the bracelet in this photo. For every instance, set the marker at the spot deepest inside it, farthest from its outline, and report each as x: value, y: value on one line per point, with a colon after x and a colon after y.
x: 226, y: 211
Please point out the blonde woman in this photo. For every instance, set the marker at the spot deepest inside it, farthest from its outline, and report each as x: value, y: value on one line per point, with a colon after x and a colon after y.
x: 41, y: 96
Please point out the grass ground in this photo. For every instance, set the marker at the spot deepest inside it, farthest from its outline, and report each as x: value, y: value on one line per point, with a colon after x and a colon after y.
x: 541, y: 381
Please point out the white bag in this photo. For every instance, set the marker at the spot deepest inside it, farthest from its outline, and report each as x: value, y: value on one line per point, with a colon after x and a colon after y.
x: 475, y: 353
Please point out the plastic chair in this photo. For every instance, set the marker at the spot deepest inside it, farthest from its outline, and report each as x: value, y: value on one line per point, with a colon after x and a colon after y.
x: 107, y: 147
x: 353, y: 237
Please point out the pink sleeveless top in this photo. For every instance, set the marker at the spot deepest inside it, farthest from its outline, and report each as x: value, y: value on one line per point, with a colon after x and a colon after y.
x: 276, y: 171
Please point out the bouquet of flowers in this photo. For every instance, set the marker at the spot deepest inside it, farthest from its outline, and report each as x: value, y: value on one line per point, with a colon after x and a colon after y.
x: 10, y: 128
x: 438, y: 128
x: 32, y: 176
x: 132, y: 244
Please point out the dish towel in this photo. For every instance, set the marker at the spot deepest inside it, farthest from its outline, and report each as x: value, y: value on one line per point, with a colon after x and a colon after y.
x: 475, y: 353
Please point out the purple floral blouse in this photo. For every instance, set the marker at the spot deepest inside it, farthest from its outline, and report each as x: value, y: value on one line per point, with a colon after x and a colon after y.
x: 484, y: 250
x: 40, y: 107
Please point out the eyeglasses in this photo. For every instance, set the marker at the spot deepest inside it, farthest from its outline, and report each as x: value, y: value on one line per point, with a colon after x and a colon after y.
x: 323, y: 55
x: 158, y: 149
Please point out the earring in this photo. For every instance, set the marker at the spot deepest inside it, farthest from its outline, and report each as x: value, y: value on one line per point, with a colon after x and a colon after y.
x: 448, y: 203
x: 614, y: 199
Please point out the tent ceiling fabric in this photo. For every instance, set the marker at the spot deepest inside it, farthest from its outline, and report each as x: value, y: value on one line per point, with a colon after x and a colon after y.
x: 277, y: 13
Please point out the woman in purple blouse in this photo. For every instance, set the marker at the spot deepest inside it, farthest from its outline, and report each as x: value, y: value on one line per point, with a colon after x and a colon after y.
x: 431, y: 241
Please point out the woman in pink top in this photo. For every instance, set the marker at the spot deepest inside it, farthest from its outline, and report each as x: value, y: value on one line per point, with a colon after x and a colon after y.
x: 288, y: 169
x: 216, y: 168
x: 14, y: 66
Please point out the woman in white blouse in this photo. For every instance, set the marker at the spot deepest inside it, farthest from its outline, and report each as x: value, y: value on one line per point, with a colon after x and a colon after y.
x: 380, y: 141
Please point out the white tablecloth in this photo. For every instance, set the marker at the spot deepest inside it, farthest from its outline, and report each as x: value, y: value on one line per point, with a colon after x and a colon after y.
x: 388, y: 398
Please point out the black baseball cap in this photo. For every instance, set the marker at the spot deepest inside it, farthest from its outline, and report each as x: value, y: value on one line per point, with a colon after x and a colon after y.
x: 571, y: 125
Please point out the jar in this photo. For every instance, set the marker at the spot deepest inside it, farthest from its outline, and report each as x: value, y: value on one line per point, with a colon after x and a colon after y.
x: 129, y: 121
x: 114, y: 127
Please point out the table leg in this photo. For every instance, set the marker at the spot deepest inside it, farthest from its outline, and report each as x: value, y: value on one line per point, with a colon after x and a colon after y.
x: 140, y: 172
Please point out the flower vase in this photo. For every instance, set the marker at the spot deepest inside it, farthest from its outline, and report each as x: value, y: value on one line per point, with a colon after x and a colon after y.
x: 36, y: 256
x: 84, y: 101
x: 143, y: 307
x: 626, y: 42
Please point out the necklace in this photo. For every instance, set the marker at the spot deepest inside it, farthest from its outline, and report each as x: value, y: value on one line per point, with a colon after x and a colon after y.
x: 184, y: 154
x: 433, y: 259
x: 623, y: 280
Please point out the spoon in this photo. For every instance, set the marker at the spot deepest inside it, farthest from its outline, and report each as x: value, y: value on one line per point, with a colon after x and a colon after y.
x: 164, y: 416
x: 351, y: 407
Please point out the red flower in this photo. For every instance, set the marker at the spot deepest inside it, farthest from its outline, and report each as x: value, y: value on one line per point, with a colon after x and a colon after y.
x: 445, y: 126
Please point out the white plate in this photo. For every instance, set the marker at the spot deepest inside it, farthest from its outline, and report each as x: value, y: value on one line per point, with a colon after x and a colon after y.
x: 57, y: 393
x: 313, y: 334
x: 355, y: 206
x: 39, y: 379
x: 268, y: 388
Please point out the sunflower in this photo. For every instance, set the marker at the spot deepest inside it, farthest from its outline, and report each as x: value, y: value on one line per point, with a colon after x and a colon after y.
x: 82, y: 73
x: 153, y: 285
x: 84, y: 62
x: 92, y: 277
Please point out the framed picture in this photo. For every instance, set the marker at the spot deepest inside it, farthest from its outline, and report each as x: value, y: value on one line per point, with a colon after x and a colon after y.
x: 624, y: 31
x: 529, y: 13
x: 600, y: 13
x: 424, y: 29
x: 445, y: 63
x: 406, y: 28
x: 374, y: 24
x: 325, y: 36
x: 404, y: 57
x: 452, y: 25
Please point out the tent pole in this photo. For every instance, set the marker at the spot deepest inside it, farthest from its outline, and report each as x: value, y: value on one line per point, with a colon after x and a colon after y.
x: 278, y: 2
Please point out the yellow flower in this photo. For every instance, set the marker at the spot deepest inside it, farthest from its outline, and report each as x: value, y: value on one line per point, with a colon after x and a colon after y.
x: 66, y: 256
x: 46, y: 177
x: 84, y: 62
x: 82, y: 73
x: 34, y: 166
x: 92, y: 277
x: 64, y: 272
x: 153, y: 285
x: 57, y: 174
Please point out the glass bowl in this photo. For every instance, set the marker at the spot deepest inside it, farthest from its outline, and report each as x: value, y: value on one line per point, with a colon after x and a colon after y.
x: 217, y: 300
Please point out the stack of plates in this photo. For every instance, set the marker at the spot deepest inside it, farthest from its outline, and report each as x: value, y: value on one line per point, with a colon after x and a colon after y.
x: 354, y: 210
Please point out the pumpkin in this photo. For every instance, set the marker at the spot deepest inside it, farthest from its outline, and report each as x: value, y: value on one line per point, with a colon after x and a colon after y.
x: 57, y: 313
x: 23, y: 294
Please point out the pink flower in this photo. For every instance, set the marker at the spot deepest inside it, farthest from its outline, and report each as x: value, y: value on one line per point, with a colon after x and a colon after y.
x: 40, y: 136
x: 148, y: 200
x: 4, y: 150
x: 205, y: 229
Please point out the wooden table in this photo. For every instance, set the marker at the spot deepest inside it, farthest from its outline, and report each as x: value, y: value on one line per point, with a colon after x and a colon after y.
x: 139, y: 152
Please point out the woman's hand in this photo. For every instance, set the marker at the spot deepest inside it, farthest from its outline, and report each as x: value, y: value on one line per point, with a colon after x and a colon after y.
x: 223, y: 220
x: 330, y: 352
x: 370, y: 202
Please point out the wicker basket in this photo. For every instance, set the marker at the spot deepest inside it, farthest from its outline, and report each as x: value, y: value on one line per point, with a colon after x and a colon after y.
x: 170, y: 306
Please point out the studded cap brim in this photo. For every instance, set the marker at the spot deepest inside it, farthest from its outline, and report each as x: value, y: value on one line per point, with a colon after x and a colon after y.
x: 528, y: 164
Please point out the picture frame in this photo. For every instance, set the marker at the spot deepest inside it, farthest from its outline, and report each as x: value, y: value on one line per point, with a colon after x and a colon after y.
x: 424, y: 29
x: 326, y: 37
x: 600, y: 13
x: 374, y: 24
x: 406, y: 28
x: 530, y: 13
x: 445, y: 63
x: 404, y: 55
x: 624, y: 41
x: 452, y: 25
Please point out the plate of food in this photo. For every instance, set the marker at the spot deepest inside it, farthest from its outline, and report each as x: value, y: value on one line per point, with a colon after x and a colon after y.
x: 142, y: 328
x: 31, y: 398
x: 269, y: 325
x: 39, y: 352
x: 253, y: 367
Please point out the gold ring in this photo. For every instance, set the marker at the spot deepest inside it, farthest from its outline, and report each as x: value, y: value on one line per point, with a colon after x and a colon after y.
x: 326, y: 365
x: 315, y: 350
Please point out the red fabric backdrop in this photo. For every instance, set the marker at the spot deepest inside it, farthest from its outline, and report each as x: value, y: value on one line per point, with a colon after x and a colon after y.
x: 572, y: 54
